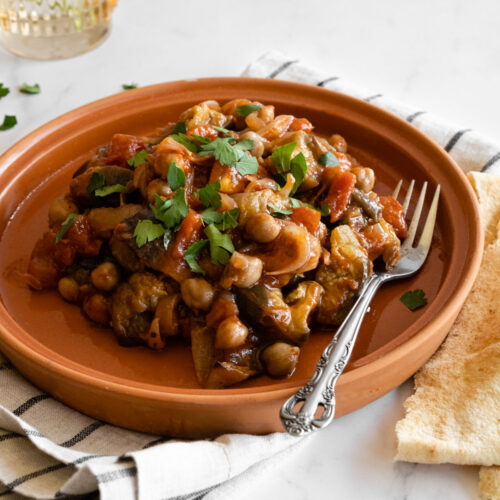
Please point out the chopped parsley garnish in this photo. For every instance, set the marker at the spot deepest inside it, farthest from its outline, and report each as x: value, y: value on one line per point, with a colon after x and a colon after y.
x: 283, y: 161
x: 298, y: 167
x: 413, y: 299
x: 129, y: 86
x: 29, y: 89
x: 8, y: 122
x: 106, y: 190
x: 138, y: 159
x: 221, y: 220
x: 279, y: 213
x: 232, y: 155
x: 171, y: 211
x: 324, y: 209
x: 222, y: 130
x: 246, y: 109
x: 295, y: 203
x: 282, y: 156
x: 64, y: 227
x: 209, y: 195
x: 180, y: 128
x: 146, y: 231
x: 96, y: 181
x: 176, y: 177
x: 221, y: 246
x: 328, y: 159
x: 183, y: 139
x: 3, y: 90
x: 200, y: 139
x: 192, y: 252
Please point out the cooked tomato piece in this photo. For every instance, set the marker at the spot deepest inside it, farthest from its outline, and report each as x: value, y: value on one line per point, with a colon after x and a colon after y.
x: 392, y: 212
x: 122, y: 147
x: 307, y: 217
x: 339, y: 193
x: 223, y: 307
x: 43, y: 271
x: 81, y: 237
x: 301, y: 124
x: 203, y: 131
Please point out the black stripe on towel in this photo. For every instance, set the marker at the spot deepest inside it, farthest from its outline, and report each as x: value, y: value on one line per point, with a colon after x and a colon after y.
x: 107, y: 477
x: 415, y: 115
x: 13, y: 435
x: 84, y: 433
x: 161, y: 440
x: 490, y: 162
x: 455, y: 139
x: 28, y: 404
x: 372, y: 97
x: 6, y: 365
x: 322, y: 83
x: 282, y: 68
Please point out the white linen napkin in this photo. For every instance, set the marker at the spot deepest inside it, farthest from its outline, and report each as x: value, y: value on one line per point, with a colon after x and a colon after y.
x: 48, y: 450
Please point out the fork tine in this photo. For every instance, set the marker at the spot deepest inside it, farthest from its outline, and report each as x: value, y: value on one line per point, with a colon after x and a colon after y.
x: 416, y: 217
x: 426, y: 238
x: 396, y: 191
x: 408, y: 196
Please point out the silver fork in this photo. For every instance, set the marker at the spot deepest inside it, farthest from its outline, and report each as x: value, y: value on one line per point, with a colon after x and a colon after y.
x: 319, y: 392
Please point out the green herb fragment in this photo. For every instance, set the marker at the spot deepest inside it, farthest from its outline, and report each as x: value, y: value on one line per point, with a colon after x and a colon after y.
x: 324, y: 209
x: 414, y: 299
x: 146, y: 231
x: 244, y: 145
x: 29, y: 89
x: 280, y: 179
x: 138, y: 159
x: 171, y: 211
x: 191, y: 254
x: 221, y: 246
x: 3, y: 90
x: 246, y: 109
x: 279, y: 213
x: 129, y: 86
x: 96, y: 181
x: 64, y: 227
x: 199, y: 138
x: 176, y: 177
x: 180, y: 128
x: 220, y: 129
x: 8, y: 122
x: 232, y: 155
x: 295, y: 203
x: 106, y: 190
x: 298, y: 167
x: 183, y: 139
x: 221, y: 220
x: 328, y: 159
x: 247, y: 165
x: 209, y: 195
x: 282, y: 157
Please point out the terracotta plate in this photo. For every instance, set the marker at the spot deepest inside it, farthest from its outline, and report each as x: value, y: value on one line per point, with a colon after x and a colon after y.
x: 53, y: 345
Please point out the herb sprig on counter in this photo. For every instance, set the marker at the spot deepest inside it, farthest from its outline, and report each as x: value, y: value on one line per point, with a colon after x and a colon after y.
x: 30, y: 89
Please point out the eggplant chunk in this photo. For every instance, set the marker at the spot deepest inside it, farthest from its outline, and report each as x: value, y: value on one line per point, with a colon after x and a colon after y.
x: 132, y: 306
x: 343, y: 277
x: 104, y: 220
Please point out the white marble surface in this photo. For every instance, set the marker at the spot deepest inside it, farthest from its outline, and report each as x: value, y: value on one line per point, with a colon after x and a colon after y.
x: 439, y: 56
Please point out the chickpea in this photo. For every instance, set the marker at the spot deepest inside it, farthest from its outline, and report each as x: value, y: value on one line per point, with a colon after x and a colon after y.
x: 262, y: 227
x: 230, y: 333
x: 242, y: 271
x: 365, y: 178
x: 338, y: 142
x: 157, y: 187
x: 69, y: 289
x: 258, y: 144
x: 96, y: 307
x: 197, y: 293
x: 59, y: 209
x: 105, y: 277
x: 280, y: 359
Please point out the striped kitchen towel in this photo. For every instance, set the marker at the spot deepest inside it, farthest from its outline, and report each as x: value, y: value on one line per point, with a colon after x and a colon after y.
x: 49, y: 451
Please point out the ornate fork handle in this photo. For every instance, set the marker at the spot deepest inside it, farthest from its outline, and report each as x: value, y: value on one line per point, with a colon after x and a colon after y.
x: 320, y: 390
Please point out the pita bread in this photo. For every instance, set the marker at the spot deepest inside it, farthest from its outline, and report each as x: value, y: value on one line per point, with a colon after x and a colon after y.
x: 454, y: 414
x: 489, y: 483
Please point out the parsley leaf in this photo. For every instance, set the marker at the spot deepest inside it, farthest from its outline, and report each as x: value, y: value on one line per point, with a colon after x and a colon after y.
x: 146, y: 231
x: 172, y: 210
x: 64, y: 227
x: 8, y: 122
x: 281, y: 157
x: 280, y: 179
x: 232, y: 155
x: 221, y: 220
x: 138, y: 159
x: 244, y: 145
x: 298, y: 167
x: 220, y: 129
x: 295, y: 203
x: 180, y: 128
x: 200, y: 139
x: 129, y: 86
x: 183, y: 139
x: 96, y: 181
x: 324, y: 209
x: 192, y: 252
x: 29, y: 89
x: 106, y: 190
x: 209, y: 196
x: 176, y: 176
x: 278, y: 212
x: 328, y: 159
x: 221, y: 246
x: 413, y: 299
x: 246, y: 109
x: 3, y: 90
x: 247, y: 165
